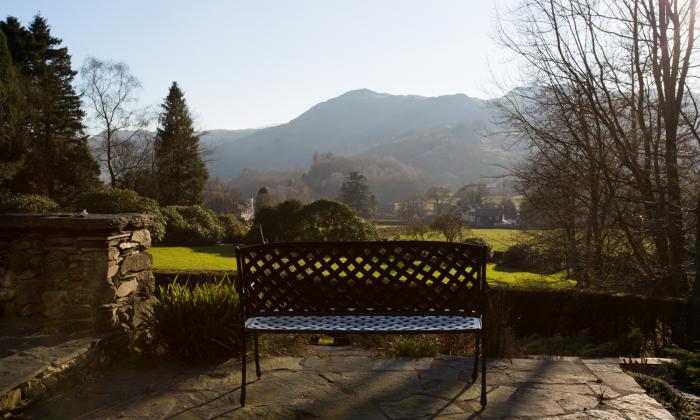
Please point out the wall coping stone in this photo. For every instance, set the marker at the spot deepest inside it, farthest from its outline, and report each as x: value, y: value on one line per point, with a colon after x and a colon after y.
x: 75, y: 221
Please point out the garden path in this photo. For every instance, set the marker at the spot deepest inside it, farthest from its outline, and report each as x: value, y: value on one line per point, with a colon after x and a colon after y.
x: 345, y: 382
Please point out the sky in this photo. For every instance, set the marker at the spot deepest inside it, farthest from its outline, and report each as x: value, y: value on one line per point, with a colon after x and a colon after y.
x: 249, y: 64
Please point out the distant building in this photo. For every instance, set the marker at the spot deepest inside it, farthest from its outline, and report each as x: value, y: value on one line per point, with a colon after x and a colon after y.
x: 489, y: 217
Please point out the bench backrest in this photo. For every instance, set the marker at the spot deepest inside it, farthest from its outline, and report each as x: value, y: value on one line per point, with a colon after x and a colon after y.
x: 361, y: 277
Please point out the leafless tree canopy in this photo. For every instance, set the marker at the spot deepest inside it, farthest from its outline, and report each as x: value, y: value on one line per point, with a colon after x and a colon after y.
x: 125, y: 148
x: 611, y: 126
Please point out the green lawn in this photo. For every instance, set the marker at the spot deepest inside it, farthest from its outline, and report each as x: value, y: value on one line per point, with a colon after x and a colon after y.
x: 510, y: 278
x: 221, y: 257
x: 499, y: 239
x: 216, y: 257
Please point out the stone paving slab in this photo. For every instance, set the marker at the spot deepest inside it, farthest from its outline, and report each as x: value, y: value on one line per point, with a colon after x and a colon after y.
x: 351, y: 383
x: 24, y: 357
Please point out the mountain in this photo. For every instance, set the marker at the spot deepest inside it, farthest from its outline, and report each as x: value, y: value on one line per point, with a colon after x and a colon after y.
x: 442, y: 136
x: 217, y: 138
x: 449, y: 155
x: 403, y: 144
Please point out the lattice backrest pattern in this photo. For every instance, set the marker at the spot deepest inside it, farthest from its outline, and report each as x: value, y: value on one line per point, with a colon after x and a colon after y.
x: 360, y: 277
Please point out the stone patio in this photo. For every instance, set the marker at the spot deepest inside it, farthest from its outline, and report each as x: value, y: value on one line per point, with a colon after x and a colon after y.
x: 351, y: 383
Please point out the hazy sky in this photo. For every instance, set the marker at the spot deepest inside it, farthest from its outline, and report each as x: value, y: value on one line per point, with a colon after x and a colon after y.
x: 254, y: 63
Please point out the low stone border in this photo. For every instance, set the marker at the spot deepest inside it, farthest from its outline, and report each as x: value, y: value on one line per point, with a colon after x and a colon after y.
x: 41, y: 364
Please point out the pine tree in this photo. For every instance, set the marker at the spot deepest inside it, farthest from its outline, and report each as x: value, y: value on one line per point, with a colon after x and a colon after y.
x: 57, y: 161
x: 180, y: 171
x: 11, y: 156
x: 356, y: 194
x: 263, y: 198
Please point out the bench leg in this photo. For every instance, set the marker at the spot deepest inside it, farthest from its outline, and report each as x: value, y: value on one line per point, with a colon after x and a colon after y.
x: 475, y: 371
x: 257, y: 358
x: 483, y: 370
x: 243, y: 363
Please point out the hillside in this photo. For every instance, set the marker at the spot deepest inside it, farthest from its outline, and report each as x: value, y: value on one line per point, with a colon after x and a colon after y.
x: 441, y: 136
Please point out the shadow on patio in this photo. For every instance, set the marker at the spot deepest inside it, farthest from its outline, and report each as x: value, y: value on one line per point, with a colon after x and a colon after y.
x: 350, y: 383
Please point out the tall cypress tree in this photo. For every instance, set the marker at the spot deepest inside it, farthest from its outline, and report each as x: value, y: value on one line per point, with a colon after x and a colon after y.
x: 57, y: 161
x: 180, y: 171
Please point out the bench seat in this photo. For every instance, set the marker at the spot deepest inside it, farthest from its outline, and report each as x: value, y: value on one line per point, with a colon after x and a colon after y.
x: 364, y: 323
x: 362, y: 287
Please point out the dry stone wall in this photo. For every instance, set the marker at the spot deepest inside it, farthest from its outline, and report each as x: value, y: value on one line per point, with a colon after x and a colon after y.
x: 75, y: 273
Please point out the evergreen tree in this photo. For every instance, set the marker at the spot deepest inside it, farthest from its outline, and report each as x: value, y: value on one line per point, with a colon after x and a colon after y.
x: 356, y: 194
x: 49, y: 139
x: 11, y: 157
x: 263, y: 198
x: 180, y: 171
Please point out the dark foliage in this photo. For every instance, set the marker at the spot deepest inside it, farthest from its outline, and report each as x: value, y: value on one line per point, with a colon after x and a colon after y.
x: 115, y: 200
x: 234, y: 229
x: 523, y: 257
x: 321, y: 220
x: 671, y: 399
x: 27, y: 203
x: 197, y: 322
x: 41, y: 130
x: 180, y: 171
x: 191, y: 225
x: 685, y: 370
x: 474, y: 240
x: 603, y: 317
x: 355, y: 194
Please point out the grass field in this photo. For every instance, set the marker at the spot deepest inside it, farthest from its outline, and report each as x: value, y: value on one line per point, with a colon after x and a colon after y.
x: 499, y: 239
x: 216, y: 257
x: 221, y: 257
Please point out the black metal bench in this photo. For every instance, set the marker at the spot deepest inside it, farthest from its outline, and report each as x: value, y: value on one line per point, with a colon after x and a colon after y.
x: 400, y: 287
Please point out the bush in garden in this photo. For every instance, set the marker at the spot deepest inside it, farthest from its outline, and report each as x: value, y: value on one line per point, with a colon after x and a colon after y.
x: 522, y: 257
x: 115, y: 200
x: 480, y: 242
x: 27, y: 203
x: 191, y: 225
x: 415, y: 346
x: 418, y: 230
x: 234, y: 229
x: 278, y: 223
x: 450, y: 225
x: 325, y: 220
x: 321, y: 220
x: 197, y: 322
x: 685, y: 370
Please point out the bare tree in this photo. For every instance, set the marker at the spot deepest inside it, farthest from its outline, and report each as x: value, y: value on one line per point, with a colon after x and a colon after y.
x: 125, y: 147
x: 450, y: 225
x: 608, y: 144
x: 221, y: 197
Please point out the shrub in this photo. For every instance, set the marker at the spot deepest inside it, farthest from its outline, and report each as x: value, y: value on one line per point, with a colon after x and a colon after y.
x: 234, y: 229
x: 197, y: 322
x: 522, y: 257
x: 450, y: 225
x: 685, y: 370
x: 325, y: 220
x: 116, y: 200
x: 191, y: 225
x: 418, y: 230
x: 321, y: 220
x: 27, y: 203
x: 474, y: 240
x: 672, y: 400
x: 279, y: 223
x: 415, y: 346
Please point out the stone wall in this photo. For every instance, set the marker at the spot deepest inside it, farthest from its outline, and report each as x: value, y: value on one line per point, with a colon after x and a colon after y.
x: 74, y: 273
